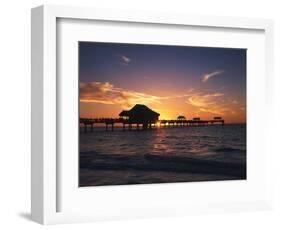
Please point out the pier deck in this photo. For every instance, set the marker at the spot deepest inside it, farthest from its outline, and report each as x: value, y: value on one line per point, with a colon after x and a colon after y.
x: 109, y: 123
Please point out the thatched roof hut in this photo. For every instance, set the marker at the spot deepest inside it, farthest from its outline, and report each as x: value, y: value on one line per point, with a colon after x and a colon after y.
x: 140, y: 114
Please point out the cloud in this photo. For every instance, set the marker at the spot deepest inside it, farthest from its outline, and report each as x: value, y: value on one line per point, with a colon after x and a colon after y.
x: 209, y: 103
x: 215, y: 111
x: 203, y: 100
x: 107, y: 93
x: 124, y: 59
x: 207, y: 76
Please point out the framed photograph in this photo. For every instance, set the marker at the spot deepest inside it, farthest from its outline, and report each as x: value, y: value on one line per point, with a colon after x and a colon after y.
x: 141, y: 114
x: 189, y: 117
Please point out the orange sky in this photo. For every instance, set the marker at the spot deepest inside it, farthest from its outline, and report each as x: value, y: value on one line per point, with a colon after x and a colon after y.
x: 171, y: 80
x: 103, y: 99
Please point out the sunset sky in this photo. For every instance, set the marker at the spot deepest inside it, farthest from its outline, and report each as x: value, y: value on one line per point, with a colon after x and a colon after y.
x: 171, y: 80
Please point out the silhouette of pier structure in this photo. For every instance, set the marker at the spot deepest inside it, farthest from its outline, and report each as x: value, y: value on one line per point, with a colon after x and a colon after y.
x: 140, y: 117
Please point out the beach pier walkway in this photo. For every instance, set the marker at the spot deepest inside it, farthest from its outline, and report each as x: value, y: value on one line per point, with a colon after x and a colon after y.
x: 109, y: 123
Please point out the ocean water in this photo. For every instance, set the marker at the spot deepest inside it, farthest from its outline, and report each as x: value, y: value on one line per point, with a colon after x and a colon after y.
x: 162, y: 155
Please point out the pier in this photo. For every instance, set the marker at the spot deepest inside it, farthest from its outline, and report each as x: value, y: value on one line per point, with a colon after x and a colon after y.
x: 140, y: 117
x: 127, y: 125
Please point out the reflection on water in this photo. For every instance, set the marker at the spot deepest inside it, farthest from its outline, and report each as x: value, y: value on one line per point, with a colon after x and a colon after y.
x: 228, y: 143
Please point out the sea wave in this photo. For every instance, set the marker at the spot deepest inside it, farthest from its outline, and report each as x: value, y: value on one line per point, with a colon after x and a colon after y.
x: 154, y: 162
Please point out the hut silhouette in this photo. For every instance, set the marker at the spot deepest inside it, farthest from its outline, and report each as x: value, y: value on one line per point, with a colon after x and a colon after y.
x: 140, y: 114
x: 181, y: 117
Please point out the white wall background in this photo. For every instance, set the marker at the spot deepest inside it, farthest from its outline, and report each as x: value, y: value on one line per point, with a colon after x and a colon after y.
x: 15, y: 113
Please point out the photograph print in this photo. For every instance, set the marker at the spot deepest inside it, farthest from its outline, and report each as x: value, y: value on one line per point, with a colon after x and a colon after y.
x: 161, y: 114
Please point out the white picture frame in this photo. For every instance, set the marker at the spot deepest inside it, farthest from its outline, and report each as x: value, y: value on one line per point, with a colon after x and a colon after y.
x: 46, y: 183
